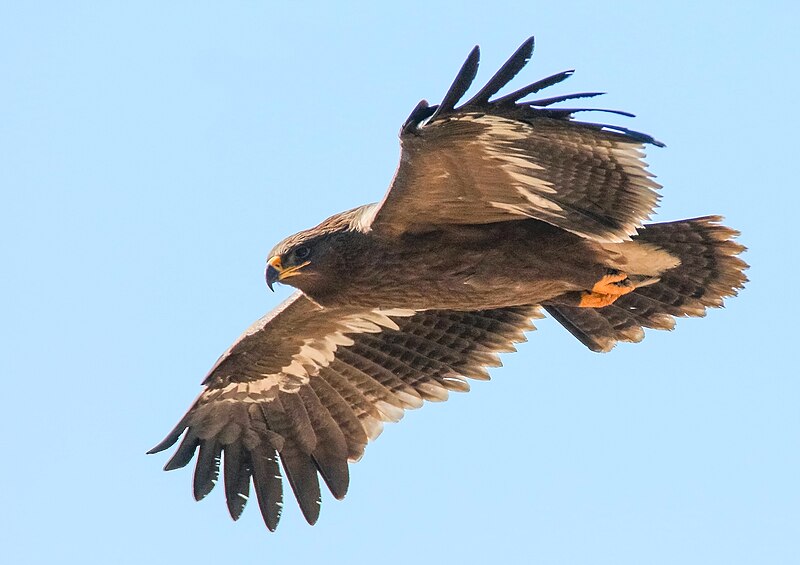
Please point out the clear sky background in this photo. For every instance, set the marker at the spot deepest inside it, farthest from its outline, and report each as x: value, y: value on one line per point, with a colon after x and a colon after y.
x: 151, y: 153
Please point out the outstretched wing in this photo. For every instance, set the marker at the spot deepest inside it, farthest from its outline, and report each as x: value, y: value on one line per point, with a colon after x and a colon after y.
x: 502, y: 159
x: 308, y: 387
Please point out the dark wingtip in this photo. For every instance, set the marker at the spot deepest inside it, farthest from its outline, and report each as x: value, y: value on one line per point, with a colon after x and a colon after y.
x: 419, y: 114
x: 171, y: 438
x: 461, y: 83
x: 206, y: 472
x: 533, y: 88
x: 567, y: 112
x: 512, y: 104
x: 532, y: 41
x: 542, y: 102
x: 166, y: 443
x: 629, y: 133
x: 502, y: 77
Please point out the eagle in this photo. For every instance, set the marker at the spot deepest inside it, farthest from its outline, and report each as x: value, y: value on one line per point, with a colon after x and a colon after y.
x: 501, y: 210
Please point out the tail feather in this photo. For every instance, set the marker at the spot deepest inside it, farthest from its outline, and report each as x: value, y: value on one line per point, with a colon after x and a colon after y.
x: 709, y: 271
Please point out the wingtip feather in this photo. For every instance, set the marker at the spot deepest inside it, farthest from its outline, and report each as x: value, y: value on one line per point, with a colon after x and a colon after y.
x: 461, y: 83
x: 504, y: 75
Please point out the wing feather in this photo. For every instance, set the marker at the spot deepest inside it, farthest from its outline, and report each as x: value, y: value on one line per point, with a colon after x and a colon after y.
x: 185, y: 452
x: 368, y: 376
x: 309, y: 387
x: 350, y: 383
x: 236, y: 472
x: 330, y: 453
x: 505, y: 159
x: 387, y: 370
x: 344, y: 416
x: 533, y: 88
x: 461, y: 83
x: 206, y: 471
x: 302, y: 475
x: 295, y: 422
x: 268, y: 484
x: 502, y: 77
x: 542, y: 102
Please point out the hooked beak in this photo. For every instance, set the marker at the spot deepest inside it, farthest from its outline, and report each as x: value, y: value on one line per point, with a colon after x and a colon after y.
x: 275, y: 271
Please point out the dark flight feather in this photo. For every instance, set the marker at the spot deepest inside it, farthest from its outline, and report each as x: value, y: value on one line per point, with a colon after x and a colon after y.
x: 268, y: 484
x: 302, y: 475
x: 533, y: 88
x: 342, y: 413
x: 502, y: 77
x: 207, y: 470
x: 330, y: 453
x: 185, y: 452
x: 236, y: 474
x: 556, y: 99
x: 460, y: 85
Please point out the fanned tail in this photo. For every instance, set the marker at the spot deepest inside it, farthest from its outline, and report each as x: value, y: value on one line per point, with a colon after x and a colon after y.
x: 709, y: 271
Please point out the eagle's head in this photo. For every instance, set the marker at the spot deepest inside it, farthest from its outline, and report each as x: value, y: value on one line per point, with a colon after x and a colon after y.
x: 312, y: 260
x: 299, y: 256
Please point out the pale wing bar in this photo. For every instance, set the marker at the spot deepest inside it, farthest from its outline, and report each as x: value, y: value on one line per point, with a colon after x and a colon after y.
x: 503, y: 159
x: 315, y: 421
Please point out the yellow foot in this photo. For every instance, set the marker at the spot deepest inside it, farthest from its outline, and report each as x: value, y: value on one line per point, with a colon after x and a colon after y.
x: 605, y: 291
x: 613, y: 282
x: 596, y: 300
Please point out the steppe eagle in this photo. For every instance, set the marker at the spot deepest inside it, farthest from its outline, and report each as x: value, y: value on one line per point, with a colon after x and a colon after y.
x: 501, y: 209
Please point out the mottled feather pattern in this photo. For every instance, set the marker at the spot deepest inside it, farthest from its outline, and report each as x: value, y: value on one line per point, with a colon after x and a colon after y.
x: 610, y: 191
x: 321, y: 424
x: 709, y: 271
x: 494, y: 160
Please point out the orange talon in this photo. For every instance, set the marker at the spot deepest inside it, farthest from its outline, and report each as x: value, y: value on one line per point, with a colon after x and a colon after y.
x: 606, y: 290
x: 612, y: 283
x: 596, y: 300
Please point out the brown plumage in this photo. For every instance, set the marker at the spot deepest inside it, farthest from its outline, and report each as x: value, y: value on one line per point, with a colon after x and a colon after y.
x: 499, y: 209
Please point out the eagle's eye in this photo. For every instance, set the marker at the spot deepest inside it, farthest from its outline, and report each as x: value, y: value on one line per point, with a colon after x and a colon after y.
x: 302, y: 252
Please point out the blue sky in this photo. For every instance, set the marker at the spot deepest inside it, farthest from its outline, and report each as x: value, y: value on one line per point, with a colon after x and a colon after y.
x: 152, y: 153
